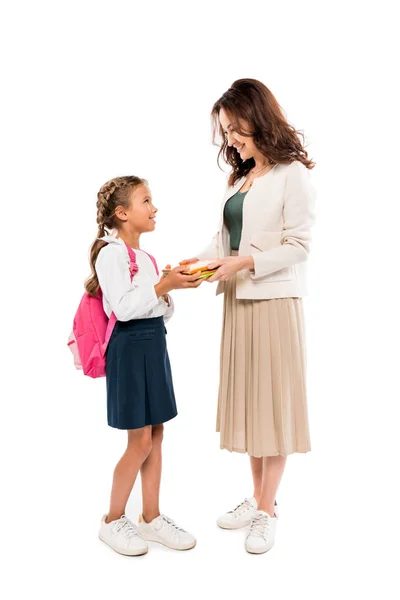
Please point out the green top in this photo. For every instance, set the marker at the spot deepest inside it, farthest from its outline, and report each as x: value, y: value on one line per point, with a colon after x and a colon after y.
x: 233, y: 216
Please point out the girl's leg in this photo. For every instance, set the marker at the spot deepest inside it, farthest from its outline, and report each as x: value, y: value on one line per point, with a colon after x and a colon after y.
x: 273, y: 467
x: 151, y: 476
x: 125, y: 473
x: 257, y: 472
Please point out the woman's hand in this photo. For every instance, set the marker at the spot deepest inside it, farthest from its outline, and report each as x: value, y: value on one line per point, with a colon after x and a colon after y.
x: 228, y: 267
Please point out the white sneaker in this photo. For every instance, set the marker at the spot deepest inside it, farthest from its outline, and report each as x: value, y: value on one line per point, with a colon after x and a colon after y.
x: 122, y: 536
x: 261, y: 536
x: 241, y: 516
x: 165, y: 531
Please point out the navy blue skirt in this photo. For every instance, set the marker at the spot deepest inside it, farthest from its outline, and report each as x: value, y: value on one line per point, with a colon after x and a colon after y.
x: 140, y: 391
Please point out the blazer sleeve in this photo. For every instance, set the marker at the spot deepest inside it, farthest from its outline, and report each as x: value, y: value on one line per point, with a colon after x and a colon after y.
x: 211, y: 250
x: 298, y: 218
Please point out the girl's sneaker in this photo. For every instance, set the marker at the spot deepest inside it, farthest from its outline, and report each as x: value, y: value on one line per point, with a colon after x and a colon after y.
x: 241, y: 516
x: 261, y: 536
x: 165, y: 531
x: 122, y: 536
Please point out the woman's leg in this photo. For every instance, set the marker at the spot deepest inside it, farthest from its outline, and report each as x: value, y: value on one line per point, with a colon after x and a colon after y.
x: 125, y: 473
x: 257, y: 472
x: 151, y: 476
x: 273, y: 467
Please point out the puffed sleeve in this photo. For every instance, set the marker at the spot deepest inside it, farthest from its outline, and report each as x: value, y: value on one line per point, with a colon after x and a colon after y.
x: 128, y: 300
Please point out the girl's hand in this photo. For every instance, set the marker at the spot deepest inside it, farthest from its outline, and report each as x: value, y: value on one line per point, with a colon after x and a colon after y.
x: 181, y: 281
x: 176, y: 280
x: 228, y: 267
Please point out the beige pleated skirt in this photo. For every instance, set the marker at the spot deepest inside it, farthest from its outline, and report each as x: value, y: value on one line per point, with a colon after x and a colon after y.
x: 262, y: 400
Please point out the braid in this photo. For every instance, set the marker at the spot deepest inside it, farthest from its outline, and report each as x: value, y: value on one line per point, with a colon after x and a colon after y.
x: 112, y: 194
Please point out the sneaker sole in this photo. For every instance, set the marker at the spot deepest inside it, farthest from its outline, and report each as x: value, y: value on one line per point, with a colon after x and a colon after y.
x: 163, y: 543
x: 233, y: 525
x: 257, y: 551
x: 260, y: 551
x: 125, y: 552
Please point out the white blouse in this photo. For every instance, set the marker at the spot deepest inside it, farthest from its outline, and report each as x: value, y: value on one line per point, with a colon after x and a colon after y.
x: 129, y: 300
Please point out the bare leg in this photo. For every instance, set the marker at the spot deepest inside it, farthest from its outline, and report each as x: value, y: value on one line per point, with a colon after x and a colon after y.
x: 151, y: 476
x: 125, y: 473
x: 257, y: 472
x: 273, y: 467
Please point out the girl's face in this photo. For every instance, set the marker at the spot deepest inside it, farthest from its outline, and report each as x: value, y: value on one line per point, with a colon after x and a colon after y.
x: 243, y: 144
x: 140, y: 216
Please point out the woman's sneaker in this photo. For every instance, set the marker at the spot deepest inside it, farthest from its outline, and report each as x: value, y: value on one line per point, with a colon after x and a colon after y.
x: 122, y: 536
x: 261, y: 536
x: 241, y: 516
x: 165, y: 531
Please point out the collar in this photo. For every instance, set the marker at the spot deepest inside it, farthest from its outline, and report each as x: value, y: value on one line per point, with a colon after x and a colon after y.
x: 112, y: 239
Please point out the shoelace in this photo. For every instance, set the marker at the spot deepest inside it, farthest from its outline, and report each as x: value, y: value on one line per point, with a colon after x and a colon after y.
x: 124, y: 526
x: 241, y: 508
x: 171, y: 525
x: 259, y: 526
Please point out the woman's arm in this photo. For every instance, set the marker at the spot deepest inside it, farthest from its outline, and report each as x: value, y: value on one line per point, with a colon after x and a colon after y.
x: 298, y: 218
x: 210, y: 251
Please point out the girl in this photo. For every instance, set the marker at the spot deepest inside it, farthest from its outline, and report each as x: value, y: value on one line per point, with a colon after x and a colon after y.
x: 140, y: 393
x: 261, y: 248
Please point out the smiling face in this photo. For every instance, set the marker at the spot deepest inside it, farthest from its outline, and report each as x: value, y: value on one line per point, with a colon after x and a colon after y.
x: 244, y: 144
x: 139, y: 217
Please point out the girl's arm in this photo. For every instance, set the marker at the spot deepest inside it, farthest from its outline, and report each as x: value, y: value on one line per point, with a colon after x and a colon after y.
x: 128, y: 300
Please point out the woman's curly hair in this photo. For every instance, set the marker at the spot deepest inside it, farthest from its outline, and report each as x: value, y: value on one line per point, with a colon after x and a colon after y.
x: 249, y: 101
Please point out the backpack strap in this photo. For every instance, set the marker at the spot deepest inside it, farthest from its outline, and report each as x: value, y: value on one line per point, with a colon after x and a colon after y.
x: 132, y: 256
x: 110, y: 328
x: 133, y: 268
x: 153, y: 261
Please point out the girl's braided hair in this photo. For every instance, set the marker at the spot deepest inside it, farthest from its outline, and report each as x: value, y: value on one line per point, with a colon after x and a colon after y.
x: 112, y: 194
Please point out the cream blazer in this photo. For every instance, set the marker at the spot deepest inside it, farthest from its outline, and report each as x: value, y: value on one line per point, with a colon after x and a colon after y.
x: 278, y: 213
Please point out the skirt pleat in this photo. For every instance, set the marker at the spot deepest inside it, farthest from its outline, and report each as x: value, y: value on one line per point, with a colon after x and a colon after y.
x: 140, y: 389
x: 262, y: 400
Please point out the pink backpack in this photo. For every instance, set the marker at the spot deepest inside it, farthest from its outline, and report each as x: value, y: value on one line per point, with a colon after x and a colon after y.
x: 92, y: 329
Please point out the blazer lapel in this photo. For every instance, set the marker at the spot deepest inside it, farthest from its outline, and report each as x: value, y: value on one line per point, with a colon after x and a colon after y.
x: 231, y: 191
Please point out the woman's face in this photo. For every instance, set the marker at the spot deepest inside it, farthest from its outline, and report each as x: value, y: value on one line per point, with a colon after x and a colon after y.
x: 243, y: 144
x: 140, y: 216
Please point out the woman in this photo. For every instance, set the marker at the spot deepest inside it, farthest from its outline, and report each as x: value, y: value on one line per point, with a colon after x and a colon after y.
x: 261, y: 250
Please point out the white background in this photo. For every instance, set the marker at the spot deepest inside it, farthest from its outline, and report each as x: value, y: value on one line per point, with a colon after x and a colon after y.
x: 92, y: 90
